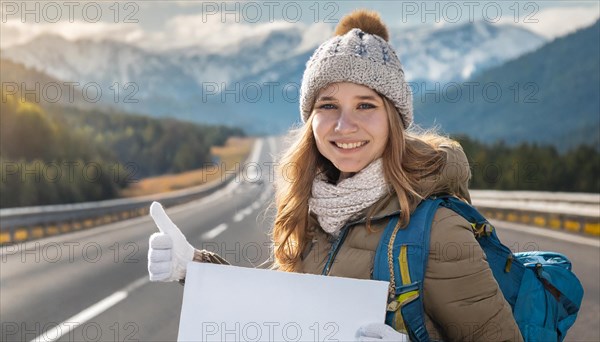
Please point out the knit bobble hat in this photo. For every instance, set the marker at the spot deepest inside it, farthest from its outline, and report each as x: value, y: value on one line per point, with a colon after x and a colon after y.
x: 358, y: 53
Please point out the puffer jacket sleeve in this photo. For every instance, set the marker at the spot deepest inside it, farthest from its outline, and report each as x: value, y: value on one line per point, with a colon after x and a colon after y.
x: 461, y: 295
x: 202, y: 255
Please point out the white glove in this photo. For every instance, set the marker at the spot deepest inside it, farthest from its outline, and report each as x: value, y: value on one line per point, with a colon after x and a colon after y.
x: 169, y: 251
x: 380, y: 332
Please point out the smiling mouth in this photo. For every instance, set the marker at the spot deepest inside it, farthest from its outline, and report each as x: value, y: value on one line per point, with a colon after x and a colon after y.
x: 349, y: 146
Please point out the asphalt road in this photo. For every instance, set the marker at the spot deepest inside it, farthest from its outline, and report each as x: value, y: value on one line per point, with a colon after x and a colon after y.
x: 93, y: 286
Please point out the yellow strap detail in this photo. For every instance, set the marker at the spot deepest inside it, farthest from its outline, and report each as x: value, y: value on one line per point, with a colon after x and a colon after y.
x: 399, y: 322
x: 393, y: 306
x: 508, y: 263
x: 404, y: 266
x: 407, y: 297
x: 482, y: 229
x: 400, y: 301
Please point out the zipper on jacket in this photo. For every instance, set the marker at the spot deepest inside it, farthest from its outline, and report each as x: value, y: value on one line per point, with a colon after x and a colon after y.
x: 338, y: 242
x: 334, y: 250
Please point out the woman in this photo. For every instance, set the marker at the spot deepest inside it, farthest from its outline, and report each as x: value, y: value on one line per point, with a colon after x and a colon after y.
x: 357, y: 164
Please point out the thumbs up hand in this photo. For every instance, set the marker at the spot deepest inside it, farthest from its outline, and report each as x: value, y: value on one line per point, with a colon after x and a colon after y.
x: 169, y: 251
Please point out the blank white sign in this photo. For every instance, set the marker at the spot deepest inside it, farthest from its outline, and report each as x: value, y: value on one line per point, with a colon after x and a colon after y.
x: 229, y: 303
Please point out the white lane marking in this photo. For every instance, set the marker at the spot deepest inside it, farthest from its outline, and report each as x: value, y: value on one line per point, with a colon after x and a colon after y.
x: 547, y: 232
x: 72, y: 323
x: 213, y: 233
x: 228, y: 190
x: 272, y: 145
x: 254, y: 206
x: 254, y: 157
x: 242, y: 213
x: 238, y: 217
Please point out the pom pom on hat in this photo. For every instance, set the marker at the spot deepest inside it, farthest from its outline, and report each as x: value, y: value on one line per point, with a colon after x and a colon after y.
x: 366, y: 21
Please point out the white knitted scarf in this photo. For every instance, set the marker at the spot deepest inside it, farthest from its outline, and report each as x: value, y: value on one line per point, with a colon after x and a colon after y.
x: 336, y: 204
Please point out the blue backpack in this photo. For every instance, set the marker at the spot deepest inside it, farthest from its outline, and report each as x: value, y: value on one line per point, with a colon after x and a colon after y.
x: 540, y: 287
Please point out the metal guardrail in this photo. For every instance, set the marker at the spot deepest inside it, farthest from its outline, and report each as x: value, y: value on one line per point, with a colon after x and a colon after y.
x: 538, y: 196
x: 557, y: 221
x: 577, y: 213
x: 571, y: 212
x: 30, y: 223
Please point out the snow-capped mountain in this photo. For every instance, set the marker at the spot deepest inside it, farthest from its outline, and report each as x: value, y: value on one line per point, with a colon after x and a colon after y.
x: 453, y: 53
x: 128, y: 77
x: 251, y: 57
x: 171, y: 82
x: 104, y: 62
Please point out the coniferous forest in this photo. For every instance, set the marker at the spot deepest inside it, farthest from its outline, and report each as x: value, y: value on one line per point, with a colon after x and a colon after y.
x: 56, y: 155
x: 532, y: 167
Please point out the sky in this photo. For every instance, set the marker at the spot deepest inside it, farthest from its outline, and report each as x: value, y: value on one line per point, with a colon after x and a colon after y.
x: 215, y: 25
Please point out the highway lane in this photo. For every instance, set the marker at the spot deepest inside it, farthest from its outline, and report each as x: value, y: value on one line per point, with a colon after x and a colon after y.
x: 36, y: 295
x: 151, y: 313
x: 54, y: 279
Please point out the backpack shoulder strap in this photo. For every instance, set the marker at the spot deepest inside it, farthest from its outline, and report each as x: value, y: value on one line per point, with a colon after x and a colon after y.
x: 480, y: 224
x: 401, y: 259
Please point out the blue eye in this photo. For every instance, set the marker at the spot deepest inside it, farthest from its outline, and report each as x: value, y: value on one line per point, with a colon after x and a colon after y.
x: 366, y: 106
x: 327, y: 106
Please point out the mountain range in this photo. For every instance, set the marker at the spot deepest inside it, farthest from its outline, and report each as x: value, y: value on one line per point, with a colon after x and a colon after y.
x: 452, y: 53
x: 548, y: 96
x: 255, y: 85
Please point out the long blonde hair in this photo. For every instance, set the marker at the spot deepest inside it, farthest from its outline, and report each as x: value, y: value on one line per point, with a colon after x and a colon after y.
x: 408, y: 157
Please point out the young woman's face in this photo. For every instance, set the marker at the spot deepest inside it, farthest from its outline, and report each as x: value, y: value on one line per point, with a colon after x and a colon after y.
x: 350, y: 126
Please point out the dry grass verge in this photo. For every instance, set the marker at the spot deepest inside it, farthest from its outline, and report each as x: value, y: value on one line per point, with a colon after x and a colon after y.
x: 235, y: 151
